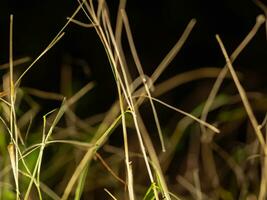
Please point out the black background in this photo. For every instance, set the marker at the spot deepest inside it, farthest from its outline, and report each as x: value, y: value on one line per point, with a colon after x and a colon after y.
x: 156, y: 26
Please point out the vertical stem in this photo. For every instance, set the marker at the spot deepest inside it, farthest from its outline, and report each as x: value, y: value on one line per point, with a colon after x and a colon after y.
x: 12, y: 107
x: 126, y: 148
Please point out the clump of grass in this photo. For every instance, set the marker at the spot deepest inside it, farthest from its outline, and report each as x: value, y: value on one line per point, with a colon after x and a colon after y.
x: 25, y: 175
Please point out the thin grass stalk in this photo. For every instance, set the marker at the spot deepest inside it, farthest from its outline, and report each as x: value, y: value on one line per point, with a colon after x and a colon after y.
x: 142, y: 75
x: 12, y: 111
x: 109, y: 193
x: 114, y: 111
x: 99, y: 8
x: 230, y: 161
x: 46, y: 137
x: 171, y: 55
x: 37, y: 168
x: 127, y: 84
x: 150, y: 148
x: 243, y: 96
x: 81, y: 183
x: 17, y: 62
x: 45, y: 188
x: 262, y: 192
x: 125, y: 89
x: 12, y: 155
x: 116, y: 51
x: 262, y: 6
x: 98, y: 142
x: 154, y: 158
x: 13, y: 126
x: 103, y: 39
x: 127, y: 92
x: 126, y: 148
x: 132, y: 107
x: 49, y: 191
x: 212, y: 95
x: 174, y: 51
x: 197, y: 185
x: 259, y: 21
x: 211, y: 127
x: 168, y: 59
x: 183, y: 78
x: 190, y: 188
x: 118, y: 33
x: 263, y: 184
x: 52, y: 43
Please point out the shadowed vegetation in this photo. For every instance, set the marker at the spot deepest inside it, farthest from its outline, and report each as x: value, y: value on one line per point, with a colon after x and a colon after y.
x: 210, y: 145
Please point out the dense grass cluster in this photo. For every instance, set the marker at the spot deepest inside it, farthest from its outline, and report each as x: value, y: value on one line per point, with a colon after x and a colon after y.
x: 66, y: 157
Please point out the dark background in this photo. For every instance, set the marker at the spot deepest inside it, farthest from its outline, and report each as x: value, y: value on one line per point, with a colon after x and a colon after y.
x: 156, y: 26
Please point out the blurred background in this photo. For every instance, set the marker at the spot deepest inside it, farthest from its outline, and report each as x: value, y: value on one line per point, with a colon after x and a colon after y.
x: 156, y: 27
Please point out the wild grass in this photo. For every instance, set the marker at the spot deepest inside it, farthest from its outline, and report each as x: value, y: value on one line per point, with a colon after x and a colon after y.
x: 139, y: 168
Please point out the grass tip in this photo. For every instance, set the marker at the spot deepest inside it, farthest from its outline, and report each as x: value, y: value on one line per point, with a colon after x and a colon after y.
x: 260, y: 19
